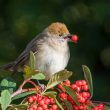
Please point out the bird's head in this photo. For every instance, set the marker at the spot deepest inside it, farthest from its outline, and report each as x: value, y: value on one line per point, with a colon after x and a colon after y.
x: 59, y: 30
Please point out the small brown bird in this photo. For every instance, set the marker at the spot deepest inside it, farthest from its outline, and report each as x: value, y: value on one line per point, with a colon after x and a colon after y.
x: 50, y: 48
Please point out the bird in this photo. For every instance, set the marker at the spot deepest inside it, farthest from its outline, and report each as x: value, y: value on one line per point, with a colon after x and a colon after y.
x: 50, y: 48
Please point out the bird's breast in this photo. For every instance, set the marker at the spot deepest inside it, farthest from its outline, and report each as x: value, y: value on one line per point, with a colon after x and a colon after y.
x: 50, y: 60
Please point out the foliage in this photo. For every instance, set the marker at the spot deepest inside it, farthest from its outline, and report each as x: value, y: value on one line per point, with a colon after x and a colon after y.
x: 61, y: 93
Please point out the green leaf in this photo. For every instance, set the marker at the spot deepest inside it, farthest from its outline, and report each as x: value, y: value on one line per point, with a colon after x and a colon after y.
x: 38, y: 76
x: 23, y: 95
x: 59, y: 105
x: 32, y: 61
x: 68, y: 105
x: 50, y: 93
x: 71, y: 93
x: 27, y: 72
x: 9, y: 84
x: 5, y: 99
x: 58, y: 78
x: 88, y: 77
x: 34, y: 74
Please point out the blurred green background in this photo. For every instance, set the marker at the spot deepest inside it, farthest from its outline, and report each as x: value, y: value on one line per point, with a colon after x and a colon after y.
x: 22, y: 20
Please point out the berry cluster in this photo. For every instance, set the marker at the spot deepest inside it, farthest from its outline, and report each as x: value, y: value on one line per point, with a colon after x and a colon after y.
x: 83, y: 96
x: 80, y: 87
x: 39, y: 102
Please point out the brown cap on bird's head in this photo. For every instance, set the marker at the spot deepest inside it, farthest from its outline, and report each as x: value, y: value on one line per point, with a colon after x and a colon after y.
x: 58, y: 28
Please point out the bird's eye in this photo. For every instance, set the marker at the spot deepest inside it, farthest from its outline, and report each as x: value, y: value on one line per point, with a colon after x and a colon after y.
x: 60, y: 34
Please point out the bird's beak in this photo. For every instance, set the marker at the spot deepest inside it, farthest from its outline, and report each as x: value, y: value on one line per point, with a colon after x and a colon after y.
x: 69, y: 36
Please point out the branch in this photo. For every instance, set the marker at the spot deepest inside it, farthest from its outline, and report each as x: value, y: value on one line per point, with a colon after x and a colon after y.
x: 21, y: 90
x: 106, y: 103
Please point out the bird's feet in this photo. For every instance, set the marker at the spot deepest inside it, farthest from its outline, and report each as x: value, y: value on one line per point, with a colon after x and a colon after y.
x: 42, y: 86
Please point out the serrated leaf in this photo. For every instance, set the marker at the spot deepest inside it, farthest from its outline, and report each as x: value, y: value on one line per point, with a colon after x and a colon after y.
x: 32, y: 61
x: 59, y: 105
x: 72, y: 94
x: 58, y: 78
x: 88, y: 77
x: 38, y: 76
x: 8, y: 83
x: 23, y: 95
x: 5, y: 99
x: 68, y: 105
x: 18, y: 107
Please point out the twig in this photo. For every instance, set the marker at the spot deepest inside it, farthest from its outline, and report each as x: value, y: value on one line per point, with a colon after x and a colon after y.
x: 106, y: 103
x: 21, y: 90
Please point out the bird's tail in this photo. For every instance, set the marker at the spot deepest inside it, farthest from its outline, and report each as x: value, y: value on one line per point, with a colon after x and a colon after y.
x: 8, y: 66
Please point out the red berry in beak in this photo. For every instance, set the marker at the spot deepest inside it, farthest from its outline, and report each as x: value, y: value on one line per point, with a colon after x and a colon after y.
x: 74, y: 38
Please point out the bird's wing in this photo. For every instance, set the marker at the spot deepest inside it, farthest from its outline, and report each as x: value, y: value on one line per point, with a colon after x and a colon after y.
x: 33, y: 46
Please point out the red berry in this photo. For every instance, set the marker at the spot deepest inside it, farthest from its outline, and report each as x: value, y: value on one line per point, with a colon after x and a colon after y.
x: 63, y: 96
x: 67, y: 82
x: 41, y: 102
x: 44, y: 106
x: 78, y: 89
x: 34, y: 107
x: 34, y: 97
x: 39, y: 99
x: 85, y: 88
x: 81, y: 107
x: 52, y: 101
x: 85, y: 94
x: 95, y: 108
x: 100, y: 109
x: 39, y: 108
x: 30, y: 100
x: 69, y: 98
x: 75, y: 107
x: 83, y: 82
x: 101, y: 106
x: 81, y: 99
x: 74, y: 38
x: 47, y: 101
x: 73, y: 86
x: 54, y: 107
x: 88, y: 94
x: 60, y: 87
x: 88, y: 102
x: 79, y: 83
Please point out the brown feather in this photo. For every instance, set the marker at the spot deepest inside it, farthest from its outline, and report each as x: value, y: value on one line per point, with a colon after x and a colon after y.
x: 58, y: 28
